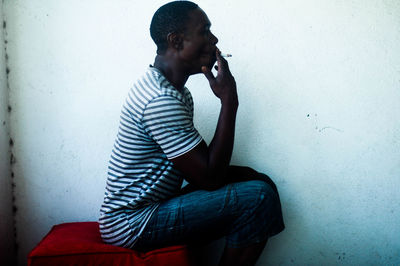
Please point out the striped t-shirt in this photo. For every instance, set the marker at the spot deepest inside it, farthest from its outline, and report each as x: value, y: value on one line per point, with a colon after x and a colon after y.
x: 156, y: 125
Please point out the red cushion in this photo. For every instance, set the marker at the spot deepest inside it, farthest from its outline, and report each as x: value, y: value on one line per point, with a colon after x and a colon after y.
x: 81, y: 244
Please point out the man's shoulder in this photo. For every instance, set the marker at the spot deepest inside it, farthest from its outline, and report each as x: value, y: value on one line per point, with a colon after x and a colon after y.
x: 156, y: 86
x: 150, y: 83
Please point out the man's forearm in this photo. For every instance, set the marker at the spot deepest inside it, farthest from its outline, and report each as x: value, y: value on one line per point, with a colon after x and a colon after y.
x: 221, y: 146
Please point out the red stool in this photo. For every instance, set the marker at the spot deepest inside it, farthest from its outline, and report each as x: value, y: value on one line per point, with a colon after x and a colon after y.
x: 81, y: 244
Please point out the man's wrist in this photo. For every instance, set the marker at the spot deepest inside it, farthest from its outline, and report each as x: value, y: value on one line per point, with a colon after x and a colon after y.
x: 230, y: 100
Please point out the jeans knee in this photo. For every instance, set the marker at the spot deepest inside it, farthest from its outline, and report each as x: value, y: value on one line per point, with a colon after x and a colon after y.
x: 256, y: 192
x: 267, y: 192
x: 266, y: 199
x: 260, y: 200
x: 256, y: 195
x: 269, y: 181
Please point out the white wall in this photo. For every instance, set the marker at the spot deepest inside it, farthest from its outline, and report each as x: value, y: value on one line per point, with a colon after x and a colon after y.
x: 7, y: 249
x: 319, y: 106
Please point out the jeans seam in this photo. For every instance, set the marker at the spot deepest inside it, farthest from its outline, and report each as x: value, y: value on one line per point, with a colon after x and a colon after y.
x: 228, y: 196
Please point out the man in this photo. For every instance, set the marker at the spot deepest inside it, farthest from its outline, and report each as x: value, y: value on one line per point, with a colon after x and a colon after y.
x: 157, y: 146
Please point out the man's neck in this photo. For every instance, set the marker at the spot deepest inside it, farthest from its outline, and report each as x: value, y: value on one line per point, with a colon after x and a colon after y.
x: 172, y: 70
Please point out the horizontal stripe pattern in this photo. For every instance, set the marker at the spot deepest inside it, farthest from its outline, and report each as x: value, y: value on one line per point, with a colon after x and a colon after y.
x: 156, y: 125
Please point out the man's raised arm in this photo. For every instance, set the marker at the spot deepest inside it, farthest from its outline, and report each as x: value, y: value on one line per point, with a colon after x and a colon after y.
x: 206, y: 166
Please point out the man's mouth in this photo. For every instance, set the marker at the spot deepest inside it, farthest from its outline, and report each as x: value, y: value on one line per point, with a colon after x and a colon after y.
x: 210, y: 52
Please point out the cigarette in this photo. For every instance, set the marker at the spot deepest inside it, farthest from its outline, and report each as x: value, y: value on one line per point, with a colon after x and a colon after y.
x: 226, y: 55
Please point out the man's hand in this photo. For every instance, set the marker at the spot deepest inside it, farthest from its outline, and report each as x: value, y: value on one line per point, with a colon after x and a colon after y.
x: 223, y: 85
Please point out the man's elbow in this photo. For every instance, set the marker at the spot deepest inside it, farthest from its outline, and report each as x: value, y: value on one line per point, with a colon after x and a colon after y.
x: 212, y: 187
x: 213, y: 181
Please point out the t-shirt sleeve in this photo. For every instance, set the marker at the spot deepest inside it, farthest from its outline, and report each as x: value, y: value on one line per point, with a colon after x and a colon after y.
x: 170, y: 123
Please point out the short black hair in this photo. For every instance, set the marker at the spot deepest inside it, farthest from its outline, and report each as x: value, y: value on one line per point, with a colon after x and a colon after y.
x: 169, y: 18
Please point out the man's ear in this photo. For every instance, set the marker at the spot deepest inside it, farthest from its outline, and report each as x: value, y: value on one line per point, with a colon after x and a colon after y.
x: 175, y: 40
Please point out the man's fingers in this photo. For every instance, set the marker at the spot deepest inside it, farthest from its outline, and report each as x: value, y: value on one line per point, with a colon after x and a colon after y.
x: 219, y: 57
x: 207, y: 72
x: 221, y: 62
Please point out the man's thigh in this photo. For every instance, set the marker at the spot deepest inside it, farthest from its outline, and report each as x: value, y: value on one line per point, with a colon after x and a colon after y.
x: 199, y: 216
x: 195, y: 216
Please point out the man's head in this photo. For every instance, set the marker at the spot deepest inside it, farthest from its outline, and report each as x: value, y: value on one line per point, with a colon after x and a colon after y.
x: 182, y: 33
x: 169, y: 18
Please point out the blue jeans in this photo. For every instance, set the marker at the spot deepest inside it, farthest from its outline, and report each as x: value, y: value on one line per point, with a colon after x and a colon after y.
x: 244, y: 212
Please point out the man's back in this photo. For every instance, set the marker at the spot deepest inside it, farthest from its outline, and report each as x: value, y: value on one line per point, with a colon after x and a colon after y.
x: 156, y: 124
